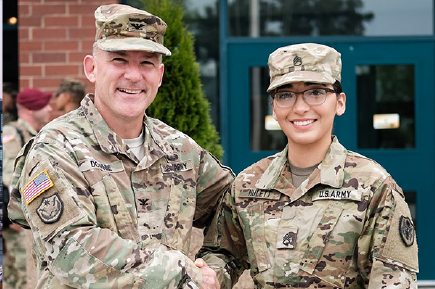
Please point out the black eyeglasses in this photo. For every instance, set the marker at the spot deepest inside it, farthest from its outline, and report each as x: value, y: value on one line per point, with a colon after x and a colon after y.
x: 314, y: 96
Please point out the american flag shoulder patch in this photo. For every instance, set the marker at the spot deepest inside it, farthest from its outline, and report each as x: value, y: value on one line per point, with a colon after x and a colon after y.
x: 39, y: 184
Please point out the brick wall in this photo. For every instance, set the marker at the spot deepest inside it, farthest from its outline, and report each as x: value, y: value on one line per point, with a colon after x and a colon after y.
x: 54, y: 36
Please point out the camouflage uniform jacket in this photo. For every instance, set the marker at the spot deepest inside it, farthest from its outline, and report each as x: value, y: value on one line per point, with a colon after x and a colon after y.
x: 15, y: 135
x: 103, y: 219
x: 346, y: 226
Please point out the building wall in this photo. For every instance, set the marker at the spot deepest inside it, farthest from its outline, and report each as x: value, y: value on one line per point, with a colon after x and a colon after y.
x: 54, y: 36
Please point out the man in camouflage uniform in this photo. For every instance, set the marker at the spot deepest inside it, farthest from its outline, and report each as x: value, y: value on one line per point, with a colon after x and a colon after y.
x: 69, y: 94
x: 110, y: 194
x: 314, y: 215
x: 33, y: 113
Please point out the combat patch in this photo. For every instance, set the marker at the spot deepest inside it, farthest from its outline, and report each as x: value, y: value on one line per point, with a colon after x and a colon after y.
x: 260, y: 194
x: 177, y: 167
x: 337, y: 194
x: 39, y: 184
x: 50, y: 209
x: 90, y: 164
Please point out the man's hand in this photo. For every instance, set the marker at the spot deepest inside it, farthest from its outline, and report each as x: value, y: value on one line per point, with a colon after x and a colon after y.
x: 209, y: 279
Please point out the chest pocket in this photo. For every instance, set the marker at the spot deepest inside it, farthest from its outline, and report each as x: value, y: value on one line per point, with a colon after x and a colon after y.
x: 177, y: 227
x: 256, y: 236
x: 166, y: 203
x: 111, y: 211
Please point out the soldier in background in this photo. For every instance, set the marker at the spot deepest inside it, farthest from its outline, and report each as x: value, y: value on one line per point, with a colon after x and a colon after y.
x: 314, y: 215
x: 69, y: 94
x: 9, y: 105
x: 33, y: 113
x: 110, y: 194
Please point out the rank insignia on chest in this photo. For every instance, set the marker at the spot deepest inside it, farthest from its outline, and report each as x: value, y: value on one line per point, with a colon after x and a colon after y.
x: 50, y: 210
x: 407, y: 232
x: 289, y: 240
x: 286, y: 236
x: 39, y: 184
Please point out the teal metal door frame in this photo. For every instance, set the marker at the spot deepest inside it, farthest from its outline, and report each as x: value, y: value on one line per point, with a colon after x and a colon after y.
x: 413, y: 169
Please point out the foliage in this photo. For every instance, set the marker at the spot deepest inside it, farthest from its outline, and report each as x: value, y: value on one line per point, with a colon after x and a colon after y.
x: 181, y: 102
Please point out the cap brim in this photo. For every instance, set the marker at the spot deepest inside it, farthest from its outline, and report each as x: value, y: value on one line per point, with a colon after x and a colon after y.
x: 131, y: 43
x: 304, y: 76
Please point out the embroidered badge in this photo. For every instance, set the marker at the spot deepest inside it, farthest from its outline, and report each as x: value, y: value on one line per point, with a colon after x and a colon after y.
x: 289, y: 239
x: 37, y: 186
x: 407, y: 232
x: 176, y: 167
x: 137, y: 25
x: 297, y: 61
x: 92, y: 164
x: 50, y: 210
x: 260, y: 194
x: 337, y: 194
x: 7, y: 138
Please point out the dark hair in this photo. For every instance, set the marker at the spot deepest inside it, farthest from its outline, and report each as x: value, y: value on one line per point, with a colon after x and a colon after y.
x: 10, y: 89
x: 337, y: 87
x: 74, y: 87
x: 11, y: 111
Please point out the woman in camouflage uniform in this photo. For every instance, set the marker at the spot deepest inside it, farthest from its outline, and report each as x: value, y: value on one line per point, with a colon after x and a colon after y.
x: 314, y: 215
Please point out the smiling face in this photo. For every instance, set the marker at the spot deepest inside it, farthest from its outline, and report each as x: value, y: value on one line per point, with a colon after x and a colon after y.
x: 126, y: 83
x: 309, y: 125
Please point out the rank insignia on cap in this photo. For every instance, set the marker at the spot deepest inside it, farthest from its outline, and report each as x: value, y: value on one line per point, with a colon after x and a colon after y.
x: 297, y: 61
x: 37, y: 186
x: 407, y: 232
x: 137, y: 26
x: 50, y: 209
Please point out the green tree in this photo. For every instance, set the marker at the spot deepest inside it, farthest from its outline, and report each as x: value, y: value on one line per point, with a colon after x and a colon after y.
x: 181, y: 102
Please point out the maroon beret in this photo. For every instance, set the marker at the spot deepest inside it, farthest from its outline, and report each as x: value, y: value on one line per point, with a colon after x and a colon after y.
x: 33, y: 99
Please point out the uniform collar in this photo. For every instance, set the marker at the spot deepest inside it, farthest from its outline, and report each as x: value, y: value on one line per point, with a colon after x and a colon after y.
x: 330, y: 172
x: 155, y: 144
x: 108, y: 140
x: 332, y: 166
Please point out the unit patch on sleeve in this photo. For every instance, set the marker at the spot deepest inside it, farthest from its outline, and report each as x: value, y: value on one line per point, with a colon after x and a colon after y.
x: 39, y: 184
x: 407, y: 232
x: 50, y: 210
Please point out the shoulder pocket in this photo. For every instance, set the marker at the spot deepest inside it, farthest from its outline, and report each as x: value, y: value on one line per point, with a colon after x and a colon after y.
x: 53, y: 208
x: 400, y: 246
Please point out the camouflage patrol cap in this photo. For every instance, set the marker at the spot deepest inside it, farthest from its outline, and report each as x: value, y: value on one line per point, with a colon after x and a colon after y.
x: 307, y: 62
x: 121, y: 27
